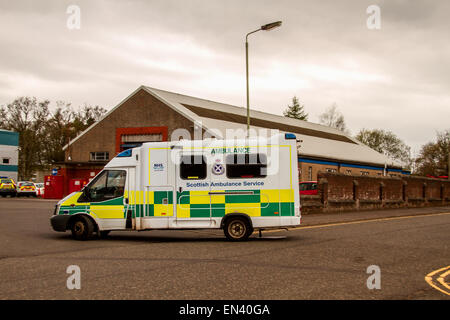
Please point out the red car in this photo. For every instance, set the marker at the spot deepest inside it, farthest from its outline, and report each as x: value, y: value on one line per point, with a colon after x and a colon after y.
x: 308, y: 187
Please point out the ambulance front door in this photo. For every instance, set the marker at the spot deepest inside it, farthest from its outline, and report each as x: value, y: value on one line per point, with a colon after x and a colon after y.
x: 193, y: 201
x: 107, y: 198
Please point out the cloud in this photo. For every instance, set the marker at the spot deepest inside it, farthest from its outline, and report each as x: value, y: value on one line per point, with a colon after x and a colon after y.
x: 395, y: 78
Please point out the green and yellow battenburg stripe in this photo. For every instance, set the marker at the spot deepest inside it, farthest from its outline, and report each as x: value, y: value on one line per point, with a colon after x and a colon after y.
x: 159, y: 203
x: 190, y: 204
x: 200, y: 204
x: 108, y: 209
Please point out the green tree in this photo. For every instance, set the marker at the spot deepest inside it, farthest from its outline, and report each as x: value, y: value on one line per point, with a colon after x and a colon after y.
x: 386, y: 143
x: 333, y: 118
x: 296, y: 110
x: 433, y: 156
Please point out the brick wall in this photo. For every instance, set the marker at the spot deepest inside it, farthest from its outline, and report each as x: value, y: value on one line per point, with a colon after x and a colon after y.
x: 341, y: 192
x: 140, y: 110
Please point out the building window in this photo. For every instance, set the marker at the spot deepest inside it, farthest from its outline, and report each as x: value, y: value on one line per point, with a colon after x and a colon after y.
x: 348, y: 171
x: 129, y: 141
x: 5, y: 160
x: 364, y: 173
x: 330, y: 170
x: 99, y: 156
x: 309, y: 173
x: 192, y: 167
x: 246, y: 165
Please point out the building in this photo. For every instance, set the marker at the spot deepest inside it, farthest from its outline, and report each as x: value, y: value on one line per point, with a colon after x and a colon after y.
x: 9, y: 154
x: 150, y: 114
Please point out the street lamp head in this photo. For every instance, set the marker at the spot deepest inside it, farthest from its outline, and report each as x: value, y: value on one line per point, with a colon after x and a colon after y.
x: 270, y: 26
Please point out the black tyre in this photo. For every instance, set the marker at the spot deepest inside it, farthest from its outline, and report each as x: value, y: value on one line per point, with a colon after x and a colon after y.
x: 237, y: 229
x: 82, y: 228
x: 104, y: 234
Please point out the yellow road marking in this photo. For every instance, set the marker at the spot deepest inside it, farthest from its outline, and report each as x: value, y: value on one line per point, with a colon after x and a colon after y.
x: 363, y: 221
x: 441, y: 279
x: 429, y: 279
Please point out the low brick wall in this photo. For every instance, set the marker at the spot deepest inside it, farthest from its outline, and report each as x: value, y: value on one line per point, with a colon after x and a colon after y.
x: 340, y: 192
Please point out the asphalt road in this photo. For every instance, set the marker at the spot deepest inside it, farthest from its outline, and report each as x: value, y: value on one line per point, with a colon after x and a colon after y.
x: 327, y: 258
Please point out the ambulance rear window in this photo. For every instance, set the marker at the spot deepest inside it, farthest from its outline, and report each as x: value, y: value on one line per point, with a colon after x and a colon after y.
x: 246, y: 166
x: 192, y: 167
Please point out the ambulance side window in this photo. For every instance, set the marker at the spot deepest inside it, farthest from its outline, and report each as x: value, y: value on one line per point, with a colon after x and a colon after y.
x: 109, y: 184
x: 192, y: 167
x: 246, y: 165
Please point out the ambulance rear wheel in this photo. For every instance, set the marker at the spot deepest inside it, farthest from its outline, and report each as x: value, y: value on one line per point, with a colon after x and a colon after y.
x: 82, y: 228
x: 237, y: 229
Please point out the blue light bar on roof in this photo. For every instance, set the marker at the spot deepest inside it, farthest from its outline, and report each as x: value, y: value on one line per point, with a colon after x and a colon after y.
x: 126, y: 153
x: 288, y: 136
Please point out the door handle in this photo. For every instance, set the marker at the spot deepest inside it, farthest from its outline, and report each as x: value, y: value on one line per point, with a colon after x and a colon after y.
x: 180, y: 189
x: 125, y: 200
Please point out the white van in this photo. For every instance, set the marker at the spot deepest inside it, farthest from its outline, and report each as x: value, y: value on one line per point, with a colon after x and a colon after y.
x: 235, y: 185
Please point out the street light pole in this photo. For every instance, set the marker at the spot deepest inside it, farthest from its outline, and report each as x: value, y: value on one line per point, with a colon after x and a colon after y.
x: 265, y: 27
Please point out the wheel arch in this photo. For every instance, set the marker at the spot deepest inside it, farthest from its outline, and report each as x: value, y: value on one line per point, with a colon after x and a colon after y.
x: 236, y: 214
x: 74, y: 217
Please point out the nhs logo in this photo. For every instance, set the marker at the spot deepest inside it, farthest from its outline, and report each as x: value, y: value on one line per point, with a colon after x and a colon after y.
x: 158, y: 167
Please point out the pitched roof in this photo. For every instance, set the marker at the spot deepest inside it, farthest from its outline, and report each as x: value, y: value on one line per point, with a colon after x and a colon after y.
x: 318, y: 140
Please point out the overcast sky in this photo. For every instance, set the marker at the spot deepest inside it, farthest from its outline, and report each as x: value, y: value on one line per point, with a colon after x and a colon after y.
x: 394, y: 78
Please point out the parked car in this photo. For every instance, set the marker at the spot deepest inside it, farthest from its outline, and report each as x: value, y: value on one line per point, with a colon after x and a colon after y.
x: 39, y: 189
x: 308, y: 187
x: 26, y: 188
x: 7, y: 187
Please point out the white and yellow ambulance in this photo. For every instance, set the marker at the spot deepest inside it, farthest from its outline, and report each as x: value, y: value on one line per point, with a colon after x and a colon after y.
x: 238, y: 185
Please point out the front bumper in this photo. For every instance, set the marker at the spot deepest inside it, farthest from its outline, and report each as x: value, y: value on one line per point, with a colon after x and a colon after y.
x: 26, y: 193
x: 5, y: 191
x: 60, y: 222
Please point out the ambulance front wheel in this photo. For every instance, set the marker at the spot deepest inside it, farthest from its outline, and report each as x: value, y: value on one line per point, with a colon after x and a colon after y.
x: 237, y: 229
x: 82, y: 228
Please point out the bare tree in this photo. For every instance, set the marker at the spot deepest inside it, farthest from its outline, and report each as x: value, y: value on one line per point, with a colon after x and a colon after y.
x: 28, y: 117
x: 433, y: 158
x: 333, y: 118
x: 386, y: 143
x: 42, y: 134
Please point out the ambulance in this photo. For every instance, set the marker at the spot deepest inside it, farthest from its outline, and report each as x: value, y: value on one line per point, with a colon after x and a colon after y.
x: 237, y: 185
